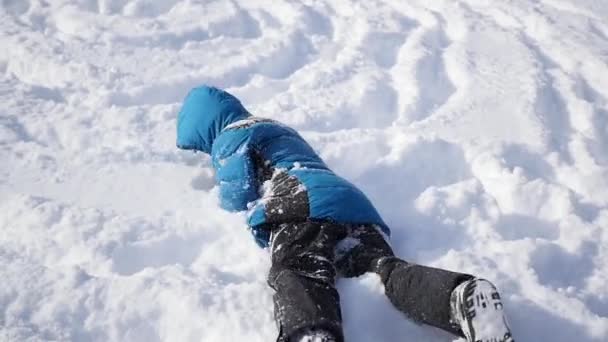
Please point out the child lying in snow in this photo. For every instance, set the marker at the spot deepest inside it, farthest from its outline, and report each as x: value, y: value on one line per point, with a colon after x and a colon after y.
x: 318, y: 225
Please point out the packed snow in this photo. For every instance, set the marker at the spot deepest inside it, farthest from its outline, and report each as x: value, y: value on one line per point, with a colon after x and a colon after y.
x: 479, y: 128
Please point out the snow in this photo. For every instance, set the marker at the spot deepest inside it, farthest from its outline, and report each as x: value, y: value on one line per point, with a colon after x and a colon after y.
x: 479, y: 129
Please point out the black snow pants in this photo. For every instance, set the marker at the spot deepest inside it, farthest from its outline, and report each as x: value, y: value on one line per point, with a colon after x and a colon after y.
x: 307, y: 257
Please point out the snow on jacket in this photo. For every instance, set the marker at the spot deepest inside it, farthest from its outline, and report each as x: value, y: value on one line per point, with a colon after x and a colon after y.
x: 266, y: 167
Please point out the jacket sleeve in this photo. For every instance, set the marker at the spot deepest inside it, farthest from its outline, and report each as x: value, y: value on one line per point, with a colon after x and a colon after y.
x: 237, y: 180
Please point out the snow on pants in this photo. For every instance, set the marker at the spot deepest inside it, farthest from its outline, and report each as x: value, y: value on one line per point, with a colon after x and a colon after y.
x: 307, y: 257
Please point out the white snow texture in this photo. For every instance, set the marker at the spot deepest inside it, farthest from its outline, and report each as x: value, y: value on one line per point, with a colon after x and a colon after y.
x: 479, y: 128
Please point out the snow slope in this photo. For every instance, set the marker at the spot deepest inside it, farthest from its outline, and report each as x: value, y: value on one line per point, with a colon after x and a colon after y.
x: 478, y: 127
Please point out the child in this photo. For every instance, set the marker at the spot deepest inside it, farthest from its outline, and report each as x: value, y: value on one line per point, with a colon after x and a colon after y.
x: 318, y: 226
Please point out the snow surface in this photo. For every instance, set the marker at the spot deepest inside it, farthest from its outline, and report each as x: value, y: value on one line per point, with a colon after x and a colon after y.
x: 478, y: 127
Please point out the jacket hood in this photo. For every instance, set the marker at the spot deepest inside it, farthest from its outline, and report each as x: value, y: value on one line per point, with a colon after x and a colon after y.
x: 206, y: 111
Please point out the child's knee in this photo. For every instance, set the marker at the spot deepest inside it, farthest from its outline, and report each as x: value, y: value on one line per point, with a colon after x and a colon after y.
x: 309, y: 266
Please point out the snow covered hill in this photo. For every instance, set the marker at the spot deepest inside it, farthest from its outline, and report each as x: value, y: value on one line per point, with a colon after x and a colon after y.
x: 478, y: 127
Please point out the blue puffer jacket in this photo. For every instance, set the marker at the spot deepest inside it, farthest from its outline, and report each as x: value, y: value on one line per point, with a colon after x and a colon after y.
x: 267, y: 168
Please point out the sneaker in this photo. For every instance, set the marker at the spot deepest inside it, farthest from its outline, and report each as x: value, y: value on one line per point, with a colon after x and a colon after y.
x: 315, y: 336
x: 476, y: 307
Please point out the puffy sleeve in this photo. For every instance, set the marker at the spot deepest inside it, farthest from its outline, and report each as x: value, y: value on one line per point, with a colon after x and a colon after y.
x: 236, y: 176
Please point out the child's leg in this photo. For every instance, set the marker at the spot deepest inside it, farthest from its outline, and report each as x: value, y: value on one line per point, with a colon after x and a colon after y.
x: 422, y: 293
x: 303, y: 277
x: 455, y: 302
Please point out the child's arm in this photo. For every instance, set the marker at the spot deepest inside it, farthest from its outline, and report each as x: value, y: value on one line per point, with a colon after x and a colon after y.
x: 237, y: 180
